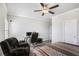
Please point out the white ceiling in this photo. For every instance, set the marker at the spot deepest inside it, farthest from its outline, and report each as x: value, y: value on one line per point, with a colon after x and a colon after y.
x: 26, y: 9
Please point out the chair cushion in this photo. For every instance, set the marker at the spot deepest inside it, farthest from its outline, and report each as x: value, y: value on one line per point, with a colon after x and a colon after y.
x: 5, y: 47
x: 13, y: 42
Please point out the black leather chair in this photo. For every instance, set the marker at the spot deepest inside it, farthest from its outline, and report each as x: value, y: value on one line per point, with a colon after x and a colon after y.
x: 11, y: 47
x: 35, y: 39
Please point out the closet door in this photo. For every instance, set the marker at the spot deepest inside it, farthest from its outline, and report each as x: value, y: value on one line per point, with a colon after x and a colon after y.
x: 70, y: 31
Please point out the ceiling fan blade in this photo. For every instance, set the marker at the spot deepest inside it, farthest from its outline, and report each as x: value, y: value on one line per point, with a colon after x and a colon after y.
x: 51, y: 12
x: 54, y: 6
x: 37, y: 10
x: 42, y: 4
x: 42, y: 14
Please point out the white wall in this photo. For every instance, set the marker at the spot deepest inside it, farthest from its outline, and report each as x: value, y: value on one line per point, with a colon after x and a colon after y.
x: 59, y: 23
x: 57, y: 32
x: 20, y: 25
x: 50, y: 30
x: 6, y: 28
x: 78, y: 31
x: 3, y: 15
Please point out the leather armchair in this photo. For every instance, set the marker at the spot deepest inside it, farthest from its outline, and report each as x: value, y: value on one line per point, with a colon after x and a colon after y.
x: 11, y: 47
x: 35, y: 39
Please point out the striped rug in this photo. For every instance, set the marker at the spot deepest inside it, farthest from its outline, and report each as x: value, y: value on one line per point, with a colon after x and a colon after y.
x: 57, y: 49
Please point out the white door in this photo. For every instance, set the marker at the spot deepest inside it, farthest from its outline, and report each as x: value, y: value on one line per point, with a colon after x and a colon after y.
x: 70, y: 31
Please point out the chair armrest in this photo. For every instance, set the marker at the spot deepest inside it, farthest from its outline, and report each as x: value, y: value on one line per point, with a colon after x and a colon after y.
x: 21, y: 42
x: 20, y: 51
x: 24, y: 45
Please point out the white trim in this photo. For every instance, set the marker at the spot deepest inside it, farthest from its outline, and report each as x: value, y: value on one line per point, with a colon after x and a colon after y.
x: 33, y: 18
x: 77, y: 9
x: 5, y: 8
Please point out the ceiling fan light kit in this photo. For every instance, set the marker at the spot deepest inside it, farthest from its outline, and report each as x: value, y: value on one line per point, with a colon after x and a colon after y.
x: 46, y: 9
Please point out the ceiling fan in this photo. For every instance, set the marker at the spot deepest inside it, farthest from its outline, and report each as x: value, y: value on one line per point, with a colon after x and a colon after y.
x: 46, y: 9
